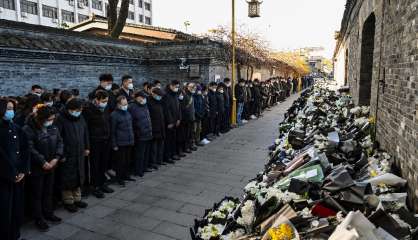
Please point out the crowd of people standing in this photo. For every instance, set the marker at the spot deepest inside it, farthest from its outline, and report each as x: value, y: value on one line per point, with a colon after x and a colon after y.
x: 56, y: 147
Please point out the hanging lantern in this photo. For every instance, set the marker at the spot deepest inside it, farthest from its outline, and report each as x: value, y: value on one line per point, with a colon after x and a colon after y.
x: 254, y: 8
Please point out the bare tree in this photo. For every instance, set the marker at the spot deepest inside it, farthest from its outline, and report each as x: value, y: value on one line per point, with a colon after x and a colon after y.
x: 116, y: 18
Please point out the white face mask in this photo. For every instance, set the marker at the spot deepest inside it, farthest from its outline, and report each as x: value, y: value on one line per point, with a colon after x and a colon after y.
x: 181, y: 97
x: 130, y: 86
x: 108, y: 87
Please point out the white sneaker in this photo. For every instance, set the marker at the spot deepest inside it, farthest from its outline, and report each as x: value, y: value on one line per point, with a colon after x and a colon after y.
x: 253, y: 117
x: 205, y: 141
x: 244, y: 121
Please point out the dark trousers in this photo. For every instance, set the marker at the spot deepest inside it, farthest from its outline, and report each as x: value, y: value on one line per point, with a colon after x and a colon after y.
x: 142, y: 156
x: 122, y: 158
x: 227, y: 120
x: 220, y: 122
x: 212, y: 124
x: 170, y: 146
x: 11, y: 209
x: 188, y: 134
x: 42, y: 188
x: 99, y: 162
x: 205, y: 128
x: 157, y: 151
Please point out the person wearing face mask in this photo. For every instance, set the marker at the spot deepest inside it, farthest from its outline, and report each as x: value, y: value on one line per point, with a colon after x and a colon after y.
x: 127, y: 88
x: 172, y: 116
x: 221, y: 109
x: 106, y: 83
x: 213, y: 108
x: 37, y: 91
x: 47, y: 99
x: 27, y: 108
x: 46, y: 149
x: 189, y: 117
x: 14, y: 166
x: 122, y: 139
x: 97, y: 116
x: 199, y: 107
x: 228, y: 104
x: 142, y: 127
x: 240, y: 96
x: 156, y: 111
x: 74, y: 132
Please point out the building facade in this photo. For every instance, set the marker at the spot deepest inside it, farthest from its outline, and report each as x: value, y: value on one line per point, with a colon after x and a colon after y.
x: 377, y: 57
x: 66, y: 13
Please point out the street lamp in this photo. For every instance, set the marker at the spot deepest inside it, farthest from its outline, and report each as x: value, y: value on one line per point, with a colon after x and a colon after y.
x: 253, y: 12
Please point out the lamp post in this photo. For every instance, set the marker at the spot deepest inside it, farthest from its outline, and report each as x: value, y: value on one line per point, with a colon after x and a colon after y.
x: 253, y: 12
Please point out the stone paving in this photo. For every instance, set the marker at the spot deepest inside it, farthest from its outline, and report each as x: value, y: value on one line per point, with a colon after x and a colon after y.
x: 164, y: 204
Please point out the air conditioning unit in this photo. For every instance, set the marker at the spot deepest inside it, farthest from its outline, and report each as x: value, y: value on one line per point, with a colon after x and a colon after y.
x: 24, y: 14
x: 71, y: 2
x: 54, y: 20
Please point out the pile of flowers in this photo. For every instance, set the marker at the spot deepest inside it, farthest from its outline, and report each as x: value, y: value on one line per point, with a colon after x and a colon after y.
x: 326, y: 178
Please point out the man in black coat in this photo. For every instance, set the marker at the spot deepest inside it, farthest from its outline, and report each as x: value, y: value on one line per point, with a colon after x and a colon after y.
x: 74, y: 132
x: 172, y: 116
x: 156, y: 111
x: 141, y: 122
x: 257, y: 98
x: 106, y: 82
x: 220, y: 97
x: 97, y: 116
x: 228, y: 104
x: 189, y: 117
x: 14, y: 166
x: 213, y: 108
x: 240, y: 96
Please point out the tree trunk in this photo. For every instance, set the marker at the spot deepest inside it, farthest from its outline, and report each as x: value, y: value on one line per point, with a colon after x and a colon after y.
x: 117, y: 24
x: 112, y: 15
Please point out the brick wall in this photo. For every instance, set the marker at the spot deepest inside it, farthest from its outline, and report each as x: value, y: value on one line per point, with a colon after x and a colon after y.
x: 395, y: 98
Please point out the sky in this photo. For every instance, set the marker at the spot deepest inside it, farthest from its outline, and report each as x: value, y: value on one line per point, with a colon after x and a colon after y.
x: 286, y: 24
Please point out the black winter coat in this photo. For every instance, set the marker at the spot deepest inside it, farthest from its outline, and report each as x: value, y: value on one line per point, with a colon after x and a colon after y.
x: 213, y: 104
x: 128, y: 95
x: 98, y: 122
x: 239, y: 93
x: 76, y: 140
x: 14, y: 151
x: 221, y: 102
x: 187, y: 108
x: 122, y: 132
x: 141, y: 121
x: 199, y: 106
x: 44, y: 145
x: 156, y: 111
x: 228, y: 98
x: 171, y: 105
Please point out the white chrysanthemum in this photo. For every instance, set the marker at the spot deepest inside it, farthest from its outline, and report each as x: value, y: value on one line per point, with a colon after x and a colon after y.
x: 247, y: 214
x: 234, y: 235
x: 209, y: 231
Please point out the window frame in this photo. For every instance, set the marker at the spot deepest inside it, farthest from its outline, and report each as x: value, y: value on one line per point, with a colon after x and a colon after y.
x: 65, y: 15
x: 52, y: 12
x: 8, y: 4
x: 29, y: 7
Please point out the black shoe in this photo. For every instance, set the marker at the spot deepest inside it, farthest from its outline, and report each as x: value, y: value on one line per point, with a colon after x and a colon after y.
x: 188, y: 151
x: 163, y: 164
x: 200, y: 144
x: 71, y: 208
x: 148, y: 170
x: 155, y: 167
x: 129, y: 179
x: 176, y: 158
x: 80, y: 204
x: 193, y: 148
x: 42, y: 225
x: 52, y: 218
x: 170, y: 161
x: 98, y: 193
x: 106, y: 189
x: 181, y: 155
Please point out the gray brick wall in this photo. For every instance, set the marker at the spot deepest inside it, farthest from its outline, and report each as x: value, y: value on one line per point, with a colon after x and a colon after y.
x: 397, y: 115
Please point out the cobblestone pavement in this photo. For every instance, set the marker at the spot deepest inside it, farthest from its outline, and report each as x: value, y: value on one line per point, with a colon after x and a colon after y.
x: 164, y: 204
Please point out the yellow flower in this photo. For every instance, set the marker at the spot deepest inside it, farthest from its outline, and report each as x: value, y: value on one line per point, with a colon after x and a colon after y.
x: 282, y: 232
x: 372, y: 120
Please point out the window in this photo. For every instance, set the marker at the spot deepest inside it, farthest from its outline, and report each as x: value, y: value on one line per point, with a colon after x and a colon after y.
x: 148, y: 6
x: 67, y: 16
x: 141, y: 18
x: 97, y: 4
x: 148, y: 20
x: 8, y: 4
x: 105, y: 10
x: 131, y: 15
x: 49, y: 12
x: 140, y: 3
x: 83, y: 3
x: 82, y: 17
x: 29, y: 7
x: 131, y: 2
